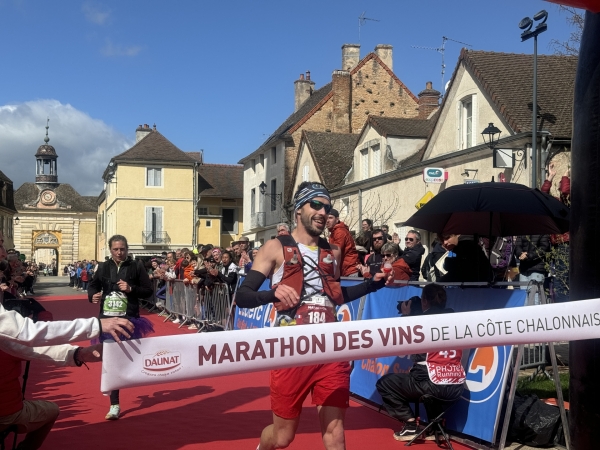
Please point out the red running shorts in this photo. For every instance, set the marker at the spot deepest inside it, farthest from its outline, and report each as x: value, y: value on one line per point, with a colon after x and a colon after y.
x: 329, y: 385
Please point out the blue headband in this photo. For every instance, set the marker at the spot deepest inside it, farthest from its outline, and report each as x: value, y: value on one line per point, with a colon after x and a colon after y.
x: 311, y: 191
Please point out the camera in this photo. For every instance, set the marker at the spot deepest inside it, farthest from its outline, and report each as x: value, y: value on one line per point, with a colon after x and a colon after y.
x: 415, y: 306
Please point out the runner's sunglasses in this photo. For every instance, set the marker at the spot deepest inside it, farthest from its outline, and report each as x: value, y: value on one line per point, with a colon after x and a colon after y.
x: 317, y: 206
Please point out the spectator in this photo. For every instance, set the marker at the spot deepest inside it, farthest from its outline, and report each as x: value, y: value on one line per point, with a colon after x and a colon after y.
x: 252, y: 255
x: 283, y: 229
x: 365, y: 238
x: 374, y: 261
x: 560, y: 242
x: 244, y: 244
x: 390, y: 252
x: 228, y: 272
x: 339, y: 235
x: 467, y: 261
x: 396, y: 238
x: 386, y: 232
x: 531, y: 251
x: 430, y: 271
x: 413, y: 253
x: 438, y: 373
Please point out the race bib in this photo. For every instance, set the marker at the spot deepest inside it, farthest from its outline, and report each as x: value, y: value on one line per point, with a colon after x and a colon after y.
x: 317, y: 310
x: 115, y: 304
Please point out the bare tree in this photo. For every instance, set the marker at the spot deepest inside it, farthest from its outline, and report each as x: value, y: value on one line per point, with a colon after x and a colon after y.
x: 374, y: 209
x: 570, y: 47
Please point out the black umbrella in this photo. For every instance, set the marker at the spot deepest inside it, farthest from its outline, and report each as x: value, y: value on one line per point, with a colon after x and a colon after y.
x: 492, y: 209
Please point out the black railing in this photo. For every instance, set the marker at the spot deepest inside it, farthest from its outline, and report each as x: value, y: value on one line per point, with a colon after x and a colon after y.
x: 155, y: 237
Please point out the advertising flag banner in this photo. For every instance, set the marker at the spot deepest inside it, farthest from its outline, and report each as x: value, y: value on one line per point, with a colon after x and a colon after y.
x: 165, y: 359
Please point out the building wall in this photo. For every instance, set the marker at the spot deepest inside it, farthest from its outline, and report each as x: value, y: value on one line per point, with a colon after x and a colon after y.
x: 374, y: 91
x: 7, y: 227
x: 445, y: 138
x: 87, y: 240
x: 214, y: 234
x: 66, y: 226
x: 102, y: 249
x: 127, y: 198
x: 305, y: 159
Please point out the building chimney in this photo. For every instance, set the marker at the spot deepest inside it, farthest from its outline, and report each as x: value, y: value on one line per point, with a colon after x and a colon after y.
x: 384, y: 52
x: 303, y: 89
x: 428, y: 101
x: 141, y: 132
x: 342, y: 101
x: 350, y: 56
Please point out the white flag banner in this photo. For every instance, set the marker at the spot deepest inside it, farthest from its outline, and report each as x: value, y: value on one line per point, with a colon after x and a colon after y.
x: 183, y: 357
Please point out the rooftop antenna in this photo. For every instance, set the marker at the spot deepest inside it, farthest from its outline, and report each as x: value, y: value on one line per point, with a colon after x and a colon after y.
x: 361, y: 21
x: 441, y: 50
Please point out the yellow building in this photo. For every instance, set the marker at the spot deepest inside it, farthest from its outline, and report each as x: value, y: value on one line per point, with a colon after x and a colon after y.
x: 149, y: 196
x: 57, y: 225
x: 220, y: 203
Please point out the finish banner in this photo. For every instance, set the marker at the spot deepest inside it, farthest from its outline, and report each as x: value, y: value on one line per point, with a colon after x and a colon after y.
x: 183, y: 357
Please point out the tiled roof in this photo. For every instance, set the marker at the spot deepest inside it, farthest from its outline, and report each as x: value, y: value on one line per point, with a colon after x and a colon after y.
x: 391, y: 126
x: 332, y: 153
x: 221, y: 180
x: 281, y: 132
x: 507, y: 78
x: 197, y: 156
x: 30, y: 192
x: 154, y: 147
x: 4, y: 177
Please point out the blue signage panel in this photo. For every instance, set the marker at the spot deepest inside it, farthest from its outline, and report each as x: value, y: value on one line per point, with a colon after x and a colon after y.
x: 476, y: 413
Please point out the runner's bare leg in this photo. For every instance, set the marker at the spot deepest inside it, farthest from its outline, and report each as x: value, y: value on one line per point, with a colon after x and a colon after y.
x: 279, y: 434
x: 332, y: 427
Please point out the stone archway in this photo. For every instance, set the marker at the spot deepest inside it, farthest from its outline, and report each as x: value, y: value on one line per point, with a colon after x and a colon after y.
x: 46, y: 240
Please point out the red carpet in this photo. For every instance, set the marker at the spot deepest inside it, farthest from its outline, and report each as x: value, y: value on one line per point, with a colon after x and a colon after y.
x: 219, y: 413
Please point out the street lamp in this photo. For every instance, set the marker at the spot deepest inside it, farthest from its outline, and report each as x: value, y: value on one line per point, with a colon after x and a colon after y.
x: 528, y: 33
x: 17, y: 220
x: 489, y: 135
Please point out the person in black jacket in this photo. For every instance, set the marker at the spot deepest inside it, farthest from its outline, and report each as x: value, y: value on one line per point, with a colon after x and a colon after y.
x: 469, y: 263
x: 118, y: 285
x: 531, y: 251
x: 413, y: 253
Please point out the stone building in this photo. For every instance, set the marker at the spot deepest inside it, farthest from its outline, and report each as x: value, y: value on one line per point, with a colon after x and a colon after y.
x: 362, y: 87
x: 56, y: 223
x: 7, y: 210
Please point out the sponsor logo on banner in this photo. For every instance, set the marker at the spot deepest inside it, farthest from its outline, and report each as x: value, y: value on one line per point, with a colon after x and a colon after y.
x: 485, y: 368
x: 344, y: 314
x: 161, y: 363
x: 270, y: 316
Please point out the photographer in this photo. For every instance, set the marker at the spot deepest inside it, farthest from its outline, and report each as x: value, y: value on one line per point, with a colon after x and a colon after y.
x: 439, y: 374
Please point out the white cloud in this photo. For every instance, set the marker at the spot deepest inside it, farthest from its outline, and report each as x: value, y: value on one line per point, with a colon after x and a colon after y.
x: 111, y: 49
x: 84, y: 145
x: 95, y: 13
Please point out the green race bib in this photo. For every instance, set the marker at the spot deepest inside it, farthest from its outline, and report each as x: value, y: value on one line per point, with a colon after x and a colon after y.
x: 115, y: 304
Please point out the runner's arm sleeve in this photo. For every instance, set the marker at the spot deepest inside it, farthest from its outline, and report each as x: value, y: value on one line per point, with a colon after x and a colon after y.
x: 358, y: 290
x: 248, y: 294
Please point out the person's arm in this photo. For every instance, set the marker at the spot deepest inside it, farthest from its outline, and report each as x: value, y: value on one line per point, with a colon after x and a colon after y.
x: 410, y: 256
x: 95, y: 285
x: 565, y: 185
x: 58, y: 355
x: 248, y: 296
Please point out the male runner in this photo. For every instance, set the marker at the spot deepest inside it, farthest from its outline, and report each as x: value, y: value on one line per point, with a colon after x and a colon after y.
x: 303, y: 269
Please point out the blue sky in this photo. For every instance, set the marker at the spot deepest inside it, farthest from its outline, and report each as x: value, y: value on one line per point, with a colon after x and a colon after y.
x: 216, y: 76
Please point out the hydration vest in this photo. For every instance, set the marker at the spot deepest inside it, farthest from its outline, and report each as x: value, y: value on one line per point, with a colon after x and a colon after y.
x: 294, y: 277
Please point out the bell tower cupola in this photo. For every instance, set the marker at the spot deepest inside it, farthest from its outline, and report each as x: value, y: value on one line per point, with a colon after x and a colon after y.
x: 45, y: 162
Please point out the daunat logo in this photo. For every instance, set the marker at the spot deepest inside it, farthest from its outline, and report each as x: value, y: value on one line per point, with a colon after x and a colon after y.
x: 162, y: 362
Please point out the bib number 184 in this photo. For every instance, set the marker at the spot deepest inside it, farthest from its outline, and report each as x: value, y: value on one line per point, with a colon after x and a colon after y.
x: 316, y: 317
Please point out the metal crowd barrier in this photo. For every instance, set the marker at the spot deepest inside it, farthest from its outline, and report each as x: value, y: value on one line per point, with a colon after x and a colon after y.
x: 210, y: 310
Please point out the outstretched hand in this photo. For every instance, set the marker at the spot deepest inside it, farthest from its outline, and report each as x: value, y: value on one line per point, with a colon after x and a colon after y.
x: 388, y: 277
x: 93, y: 353
x: 117, y: 326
